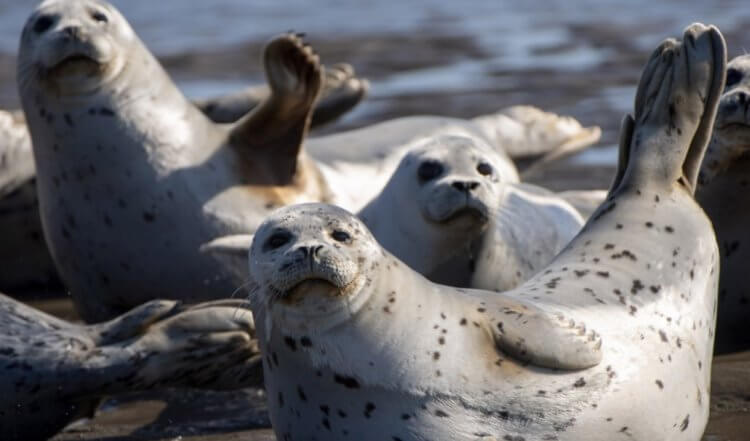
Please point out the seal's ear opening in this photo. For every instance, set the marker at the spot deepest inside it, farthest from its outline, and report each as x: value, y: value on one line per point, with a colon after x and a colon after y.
x: 237, y: 245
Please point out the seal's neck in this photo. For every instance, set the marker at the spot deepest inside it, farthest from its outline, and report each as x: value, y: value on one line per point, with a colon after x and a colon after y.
x: 421, y: 246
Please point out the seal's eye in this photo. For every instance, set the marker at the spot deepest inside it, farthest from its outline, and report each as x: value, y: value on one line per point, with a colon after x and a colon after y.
x: 429, y: 170
x: 42, y: 24
x: 99, y: 16
x: 341, y: 236
x: 277, y: 240
x: 733, y: 77
x: 484, y: 169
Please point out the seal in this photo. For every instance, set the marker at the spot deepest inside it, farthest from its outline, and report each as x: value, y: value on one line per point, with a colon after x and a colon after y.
x: 132, y: 177
x: 518, y: 132
x: 24, y: 259
x: 356, y: 345
x: 56, y: 372
x: 342, y: 91
x: 722, y: 193
x: 451, y: 213
x: 454, y: 212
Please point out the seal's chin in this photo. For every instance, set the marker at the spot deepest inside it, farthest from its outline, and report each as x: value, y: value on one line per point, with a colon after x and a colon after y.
x: 468, y: 215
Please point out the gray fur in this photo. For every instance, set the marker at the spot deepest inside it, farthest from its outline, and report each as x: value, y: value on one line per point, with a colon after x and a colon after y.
x: 55, y: 372
x: 629, y: 304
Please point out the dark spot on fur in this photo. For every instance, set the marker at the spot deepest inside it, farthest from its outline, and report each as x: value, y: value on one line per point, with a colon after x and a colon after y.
x: 292, y: 343
x: 348, y: 382
x: 579, y: 383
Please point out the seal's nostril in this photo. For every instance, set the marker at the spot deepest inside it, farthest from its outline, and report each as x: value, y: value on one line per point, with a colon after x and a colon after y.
x: 465, y: 186
x: 316, y: 250
x: 71, y: 31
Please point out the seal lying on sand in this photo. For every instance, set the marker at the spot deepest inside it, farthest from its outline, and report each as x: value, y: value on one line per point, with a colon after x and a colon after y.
x: 358, y: 346
x: 55, y: 372
x: 723, y: 193
x: 359, y: 174
x: 132, y: 177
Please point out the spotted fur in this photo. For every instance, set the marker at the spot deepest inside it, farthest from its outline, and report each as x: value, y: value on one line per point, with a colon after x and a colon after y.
x: 723, y: 193
x: 132, y: 177
x: 621, y: 321
x: 55, y: 372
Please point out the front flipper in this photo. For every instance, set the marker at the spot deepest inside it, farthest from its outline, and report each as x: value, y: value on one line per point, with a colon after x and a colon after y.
x: 537, y: 137
x: 133, y: 322
x: 549, y: 340
x: 273, y: 132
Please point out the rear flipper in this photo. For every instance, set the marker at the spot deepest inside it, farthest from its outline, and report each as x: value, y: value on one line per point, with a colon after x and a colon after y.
x: 342, y: 91
x: 675, y: 107
x: 535, y: 138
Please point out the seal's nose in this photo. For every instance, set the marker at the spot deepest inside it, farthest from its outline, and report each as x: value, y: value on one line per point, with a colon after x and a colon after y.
x: 737, y: 100
x: 71, y: 32
x: 465, y: 186
x: 305, y: 251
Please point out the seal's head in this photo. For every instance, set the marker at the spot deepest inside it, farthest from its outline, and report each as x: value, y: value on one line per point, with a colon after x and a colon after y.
x: 73, y: 46
x: 312, y: 264
x: 731, y: 137
x: 450, y: 182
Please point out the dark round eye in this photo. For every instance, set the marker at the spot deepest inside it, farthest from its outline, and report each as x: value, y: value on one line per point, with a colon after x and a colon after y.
x: 340, y: 236
x: 277, y: 240
x: 429, y: 170
x: 43, y: 23
x: 484, y: 169
x: 733, y: 77
x: 99, y: 16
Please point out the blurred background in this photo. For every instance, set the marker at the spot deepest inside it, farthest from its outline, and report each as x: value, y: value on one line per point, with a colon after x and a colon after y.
x: 457, y: 58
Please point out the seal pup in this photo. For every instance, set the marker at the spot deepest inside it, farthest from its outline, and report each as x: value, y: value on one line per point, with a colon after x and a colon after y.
x: 518, y: 132
x: 55, y: 372
x: 342, y: 91
x: 450, y: 214
x: 722, y: 191
x: 132, y: 177
x: 356, y: 345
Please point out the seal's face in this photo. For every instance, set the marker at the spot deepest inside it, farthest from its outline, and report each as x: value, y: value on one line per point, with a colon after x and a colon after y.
x: 732, y: 126
x: 453, y: 181
x: 73, y: 46
x: 311, y: 263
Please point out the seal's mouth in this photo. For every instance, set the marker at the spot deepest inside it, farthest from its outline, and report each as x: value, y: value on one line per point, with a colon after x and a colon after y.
x: 472, y: 212
x: 75, y: 64
x: 734, y: 125
x: 312, y: 286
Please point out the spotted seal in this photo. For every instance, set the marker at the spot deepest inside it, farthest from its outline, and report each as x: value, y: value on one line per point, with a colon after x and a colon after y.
x: 517, y: 132
x: 132, y: 177
x: 55, y: 372
x: 722, y: 191
x: 454, y: 212
x: 358, y: 346
x: 451, y: 213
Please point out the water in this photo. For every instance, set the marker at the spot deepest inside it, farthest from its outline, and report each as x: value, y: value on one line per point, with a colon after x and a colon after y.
x: 577, y: 57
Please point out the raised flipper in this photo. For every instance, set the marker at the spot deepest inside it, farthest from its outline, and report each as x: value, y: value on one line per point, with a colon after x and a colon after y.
x: 667, y: 145
x: 16, y: 159
x: 526, y: 132
x: 544, y: 339
x: 342, y: 91
x: 273, y: 132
